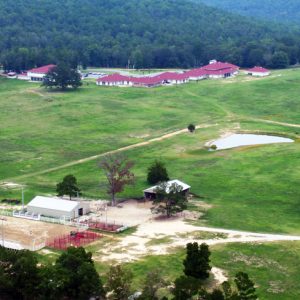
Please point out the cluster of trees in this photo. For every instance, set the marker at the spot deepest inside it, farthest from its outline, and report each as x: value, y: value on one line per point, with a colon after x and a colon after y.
x: 139, y: 33
x: 117, y: 169
x: 73, y: 276
x: 285, y: 11
x: 62, y: 76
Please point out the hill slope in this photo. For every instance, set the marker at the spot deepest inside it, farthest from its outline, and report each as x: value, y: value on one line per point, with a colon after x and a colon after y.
x: 285, y: 11
x: 143, y: 33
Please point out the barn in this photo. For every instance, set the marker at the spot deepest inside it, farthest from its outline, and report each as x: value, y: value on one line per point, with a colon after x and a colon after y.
x: 57, y: 208
x: 150, y: 193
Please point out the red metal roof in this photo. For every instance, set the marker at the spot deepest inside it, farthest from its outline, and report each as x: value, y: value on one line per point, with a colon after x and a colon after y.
x: 196, y: 73
x: 171, y: 76
x: 217, y: 66
x: 258, y: 70
x: 146, y: 80
x: 116, y: 77
x: 43, y: 69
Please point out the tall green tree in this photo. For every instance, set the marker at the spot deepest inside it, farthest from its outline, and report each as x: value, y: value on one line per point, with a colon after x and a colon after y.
x: 185, y: 288
x: 280, y: 60
x: 68, y: 186
x: 245, y: 287
x: 197, y: 261
x: 62, y: 76
x: 77, y: 275
x: 157, y: 172
x: 169, y: 199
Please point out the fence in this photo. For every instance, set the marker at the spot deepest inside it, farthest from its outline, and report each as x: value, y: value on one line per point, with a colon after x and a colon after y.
x: 26, y: 215
x: 75, y: 239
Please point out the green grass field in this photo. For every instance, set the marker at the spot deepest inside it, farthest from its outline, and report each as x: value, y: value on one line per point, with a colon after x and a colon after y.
x: 271, y: 266
x: 251, y: 188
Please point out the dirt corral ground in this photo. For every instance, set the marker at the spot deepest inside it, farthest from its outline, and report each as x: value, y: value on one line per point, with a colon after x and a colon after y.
x: 128, y: 213
x: 28, y: 234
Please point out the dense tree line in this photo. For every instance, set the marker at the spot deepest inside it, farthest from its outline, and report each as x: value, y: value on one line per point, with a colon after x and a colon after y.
x: 73, y: 276
x: 285, y: 11
x: 136, y: 33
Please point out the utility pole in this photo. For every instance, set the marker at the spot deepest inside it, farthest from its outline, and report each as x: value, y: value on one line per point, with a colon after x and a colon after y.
x: 22, y: 198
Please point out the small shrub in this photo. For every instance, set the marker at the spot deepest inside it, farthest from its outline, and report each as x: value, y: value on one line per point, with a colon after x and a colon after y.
x: 213, y: 147
x: 191, y: 128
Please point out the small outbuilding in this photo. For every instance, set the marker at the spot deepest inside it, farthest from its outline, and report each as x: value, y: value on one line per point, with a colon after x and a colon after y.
x: 150, y: 193
x: 57, y: 208
x: 258, y: 71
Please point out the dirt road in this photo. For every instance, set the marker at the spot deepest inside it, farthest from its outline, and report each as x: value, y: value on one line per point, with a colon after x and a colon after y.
x: 94, y: 157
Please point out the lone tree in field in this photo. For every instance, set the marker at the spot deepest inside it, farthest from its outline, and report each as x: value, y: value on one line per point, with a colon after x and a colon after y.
x: 68, y: 187
x: 245, y: 287
x: 62, y: 76
x: 191, y: 128
x: 118, y: 174
x: 196, y: 263
x: 169, y: 199
x: 157, y: 172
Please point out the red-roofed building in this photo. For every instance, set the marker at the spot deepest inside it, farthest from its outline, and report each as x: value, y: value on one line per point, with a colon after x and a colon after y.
x: 38, y: 74
x: 114, y: 80
x: 146, y: 81
x: 196, y: 74
x: 217, y: 69
x: 173, y: 78
x: 23, y: 76
x: 258, y: 71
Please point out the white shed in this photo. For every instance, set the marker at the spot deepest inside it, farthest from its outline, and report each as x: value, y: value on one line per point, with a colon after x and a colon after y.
x: 57, y: 208
x: 150, y: 193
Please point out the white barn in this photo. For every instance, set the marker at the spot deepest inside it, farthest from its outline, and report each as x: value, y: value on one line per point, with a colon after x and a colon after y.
x: 57, y: 208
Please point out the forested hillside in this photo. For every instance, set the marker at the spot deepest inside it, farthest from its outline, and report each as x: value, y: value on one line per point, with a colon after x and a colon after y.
x: 285, y: 11
x: 140, y: 33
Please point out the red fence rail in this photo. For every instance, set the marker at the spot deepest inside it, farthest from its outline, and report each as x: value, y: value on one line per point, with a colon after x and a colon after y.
x: 75, y: 239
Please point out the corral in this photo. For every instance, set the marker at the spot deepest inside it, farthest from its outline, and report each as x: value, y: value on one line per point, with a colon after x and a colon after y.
x: 29, y: 234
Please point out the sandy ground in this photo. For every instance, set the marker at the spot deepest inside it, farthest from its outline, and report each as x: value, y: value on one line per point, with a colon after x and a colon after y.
x: 26, y: 233
x: 161, y: 236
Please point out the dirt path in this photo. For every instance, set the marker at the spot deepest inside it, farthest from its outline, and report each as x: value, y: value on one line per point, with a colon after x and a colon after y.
x: 94, y: 157
x: 162, y: 237
x: 275, y: 122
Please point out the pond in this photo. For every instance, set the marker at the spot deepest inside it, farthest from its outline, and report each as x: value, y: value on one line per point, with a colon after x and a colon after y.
x: 237, y: 140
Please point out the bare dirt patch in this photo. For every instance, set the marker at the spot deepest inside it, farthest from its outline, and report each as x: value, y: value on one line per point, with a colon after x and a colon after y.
x: 27, y: 232
x: 219, y: 275
x: 10, y: 185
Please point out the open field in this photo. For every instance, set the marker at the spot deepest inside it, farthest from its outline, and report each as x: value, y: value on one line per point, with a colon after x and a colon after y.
x: 250, y: 189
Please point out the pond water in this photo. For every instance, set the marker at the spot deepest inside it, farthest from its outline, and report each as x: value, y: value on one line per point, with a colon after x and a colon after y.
x: 237, y: 140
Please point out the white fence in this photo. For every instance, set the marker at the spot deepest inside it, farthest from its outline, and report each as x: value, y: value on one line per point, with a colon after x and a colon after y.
x: 26, y: 215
